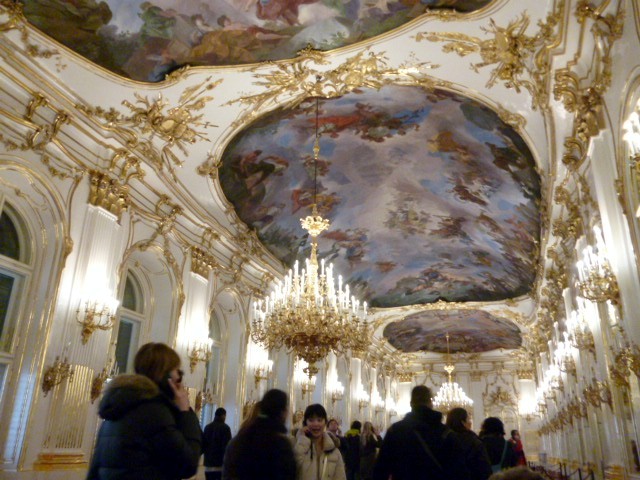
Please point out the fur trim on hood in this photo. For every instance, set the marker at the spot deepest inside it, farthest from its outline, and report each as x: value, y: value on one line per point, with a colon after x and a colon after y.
x: 125, y: 392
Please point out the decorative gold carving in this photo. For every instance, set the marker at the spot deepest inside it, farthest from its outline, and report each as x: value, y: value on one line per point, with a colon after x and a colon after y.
x: 498, y: 397
x: 175, y: 126
x: 107, y: 193
x: 59, y: 461
x: 513, y: 53
x: 44, y: 134
x: 298, y: 80
x: 56, y: 374
x: 17, y: 21
x: 405, y: 376
x: 597, y: 393
x: 201, y: 262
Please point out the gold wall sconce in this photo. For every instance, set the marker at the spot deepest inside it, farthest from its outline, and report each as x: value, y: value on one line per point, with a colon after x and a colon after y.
x: 94, y: 316
x: 100, y: 379
x: 262, y: 371
x: 199, y: 351
x: 597, y: 281
x: 363, y: 400
x: 56, y: 374
x: 336, y: 392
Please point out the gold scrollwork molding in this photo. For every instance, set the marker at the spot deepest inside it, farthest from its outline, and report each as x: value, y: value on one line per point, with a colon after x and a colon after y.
x: 105, y: 192
x: 298, y: 80
x: 177, y: 125
x: 520, y: 60
x: 202, y: 263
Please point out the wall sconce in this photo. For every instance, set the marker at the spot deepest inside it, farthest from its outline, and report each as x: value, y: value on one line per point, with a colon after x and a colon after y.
x: 336, y: 391
x: 262, y: 371
x: 204, y: 397
x: 376, y: 402
x: 596, y: 280
x: 363, y: 400
x: 56, y: 374
x: 564, y: 356
x: 579, y: 333
x: 199, y: 351
x: 95, y: 316
x: 100, y: 379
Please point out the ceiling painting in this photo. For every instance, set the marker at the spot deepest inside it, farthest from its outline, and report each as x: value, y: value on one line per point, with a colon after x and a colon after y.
x: 470, y: 331
x: 431, y: 196
x: 145, y: 40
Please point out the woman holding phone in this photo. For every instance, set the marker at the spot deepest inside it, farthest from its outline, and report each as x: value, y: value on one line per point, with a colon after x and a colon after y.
x: 317, y: 456
x: 149, y: 430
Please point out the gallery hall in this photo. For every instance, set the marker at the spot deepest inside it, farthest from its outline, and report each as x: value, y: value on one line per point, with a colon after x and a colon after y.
x: 342, y: 201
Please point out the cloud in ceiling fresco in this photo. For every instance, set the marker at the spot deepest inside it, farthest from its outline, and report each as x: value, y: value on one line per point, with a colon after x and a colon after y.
x: 470, y: 331
x: 144, y: 40
x: 431, y: 196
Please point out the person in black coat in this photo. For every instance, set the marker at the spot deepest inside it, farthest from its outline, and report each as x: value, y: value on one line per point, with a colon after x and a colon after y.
x: 262, y: 449
x: 476, y: 455
x: 420, y: 447
x: 501, y: 454
x: 216, y: 437
x: 149, y: 431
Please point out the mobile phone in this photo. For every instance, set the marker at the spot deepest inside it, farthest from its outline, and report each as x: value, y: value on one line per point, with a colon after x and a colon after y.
x: 166, y: 388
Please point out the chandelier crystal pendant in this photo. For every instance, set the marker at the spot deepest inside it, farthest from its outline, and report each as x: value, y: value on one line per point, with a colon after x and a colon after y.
x: 307, y: 313
x: 450, y: 395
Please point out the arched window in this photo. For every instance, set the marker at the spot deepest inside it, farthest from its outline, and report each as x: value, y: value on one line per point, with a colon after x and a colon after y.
x: 14, y: 271
x: 130, y: 325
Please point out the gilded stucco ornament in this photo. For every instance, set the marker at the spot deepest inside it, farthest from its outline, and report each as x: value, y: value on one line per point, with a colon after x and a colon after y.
x: 17, y: 21
x: 521, y: 61
x: 295, y: 81
x: 107, y: 193
x: 202, y: 263
x: 176, y: 125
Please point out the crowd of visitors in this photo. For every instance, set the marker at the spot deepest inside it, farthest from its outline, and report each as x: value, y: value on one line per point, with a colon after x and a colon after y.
x: 149, y: 431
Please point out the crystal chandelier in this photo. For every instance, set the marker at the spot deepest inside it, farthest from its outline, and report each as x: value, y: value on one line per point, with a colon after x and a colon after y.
x: 450, y: 395
x: 306, y: 313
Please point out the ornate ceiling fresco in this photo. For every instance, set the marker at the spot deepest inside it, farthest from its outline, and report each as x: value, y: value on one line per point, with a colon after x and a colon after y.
x: 470, y: 331
x: 144, y: 40
x: 431, y: 196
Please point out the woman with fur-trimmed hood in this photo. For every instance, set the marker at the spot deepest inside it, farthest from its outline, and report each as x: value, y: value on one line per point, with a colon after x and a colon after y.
x: 149, y: 431
x: 317, y: 455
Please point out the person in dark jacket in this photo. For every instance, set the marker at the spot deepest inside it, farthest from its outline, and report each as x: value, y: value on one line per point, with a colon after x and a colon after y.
x: 500, y: 451
x: 215, y: 439
x: 149, y: 430
x: 352, y: 449
x: 420, y: 447
x: 476, y: 455
x: 262, y: 449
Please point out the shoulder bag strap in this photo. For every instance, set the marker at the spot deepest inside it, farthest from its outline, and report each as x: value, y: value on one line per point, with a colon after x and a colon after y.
x: 504, y: 453
x: 426, y: 448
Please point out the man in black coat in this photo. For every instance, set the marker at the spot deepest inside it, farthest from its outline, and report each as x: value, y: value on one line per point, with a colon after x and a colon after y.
x: 420, y: 447
x: 214, y: 442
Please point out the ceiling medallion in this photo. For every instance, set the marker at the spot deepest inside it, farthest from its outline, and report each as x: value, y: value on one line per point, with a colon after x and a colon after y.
x: 306, y: 313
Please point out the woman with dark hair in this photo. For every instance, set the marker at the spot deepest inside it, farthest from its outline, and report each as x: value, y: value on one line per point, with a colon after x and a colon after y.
x: 518, y: 449
x: 499, y: 450
x: 473, y: 449
x: 317, y: 455
x: 149, y: 430
x: 262, y: 448
x: 370, y: 442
